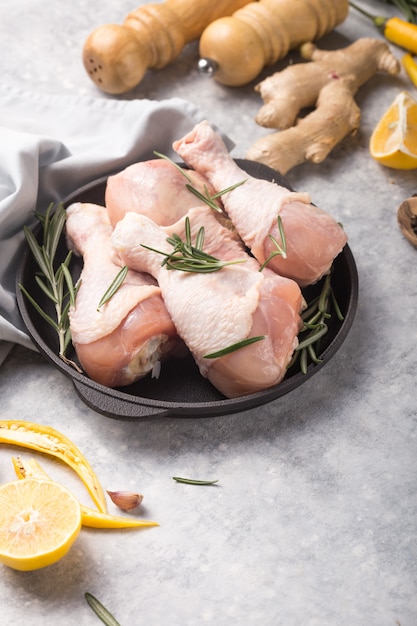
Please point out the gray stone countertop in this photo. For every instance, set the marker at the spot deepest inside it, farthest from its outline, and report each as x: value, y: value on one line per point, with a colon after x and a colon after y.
x: 313, y: 521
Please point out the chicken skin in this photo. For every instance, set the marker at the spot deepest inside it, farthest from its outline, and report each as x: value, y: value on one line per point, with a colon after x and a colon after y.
x: 156, y: 188
x: 313, y: 237
x: 213, y: 311
x: 123, y: 340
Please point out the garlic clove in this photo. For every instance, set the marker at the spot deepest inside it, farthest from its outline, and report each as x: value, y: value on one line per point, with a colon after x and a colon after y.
x: 125, y: 500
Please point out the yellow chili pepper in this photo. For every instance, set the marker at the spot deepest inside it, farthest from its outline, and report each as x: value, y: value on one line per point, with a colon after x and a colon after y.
x: 410, y: 67
x: 47, y: 440
x: 96, y: 519
x: 30, y: 468
x: 402, y: 33
x: 397, y: 31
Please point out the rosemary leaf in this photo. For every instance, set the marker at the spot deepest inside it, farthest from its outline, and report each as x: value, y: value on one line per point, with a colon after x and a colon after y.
x: 200, y: 265
x: 64, y: 316
x: 336, y: 307
x: 56, y: 285
x: 313, y: 337
x: 224, y: 191
x: 324, y: 295
x: 271, y: 256
x: 67, y: 339
x: 39, y: 309
x: 282, y: 235
x: 59, y: 286
x: 45, y: 289
x: 204, y: 198
x: 57, y: 225
x: 189, y: 257
x: 157, y: 251
x: 67, y: 260
x: 281, y: 249
x: 45, y: 220
x: 192, y: 481
x: 315, y: 318
x: 115, y: 285
x: 303, y: 360
x: 100, y: 610
x: 310, y: 310
x: 210, y: 199
x: 313, y: 322
x: 199, y: 240
x: 36, y: 251
x: 179, y: 168
x: 312, y: 354
x: 233, y: 347
x: 187, y: 231
x: 72, y: 292
x: 294, y: 360
x: 48, y: 264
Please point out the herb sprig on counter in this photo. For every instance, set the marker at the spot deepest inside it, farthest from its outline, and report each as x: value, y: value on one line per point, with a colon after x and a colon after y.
x: 100, y: 610
x: 56, y: 284
x: 193, y: 481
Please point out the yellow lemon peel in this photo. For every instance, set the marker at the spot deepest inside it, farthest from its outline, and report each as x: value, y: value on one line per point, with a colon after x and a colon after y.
x: 30, y: 468
x: 47, y: 440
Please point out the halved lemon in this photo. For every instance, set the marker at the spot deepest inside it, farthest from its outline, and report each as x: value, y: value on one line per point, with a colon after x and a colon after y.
x: 39, y: 522
x: 394, y: 140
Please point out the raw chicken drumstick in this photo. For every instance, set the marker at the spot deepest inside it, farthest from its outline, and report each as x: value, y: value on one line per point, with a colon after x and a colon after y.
x: 124, y: 339
x: 312, y: 236
x: 155, y: 188
x: 212, y: 311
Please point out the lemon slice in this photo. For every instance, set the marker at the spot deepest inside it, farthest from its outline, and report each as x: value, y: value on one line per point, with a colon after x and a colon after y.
x: 394, y: 141
x: 39, y: 522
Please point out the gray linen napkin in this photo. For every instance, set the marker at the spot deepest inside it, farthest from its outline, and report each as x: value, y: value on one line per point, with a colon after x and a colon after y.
x: 50, y: 145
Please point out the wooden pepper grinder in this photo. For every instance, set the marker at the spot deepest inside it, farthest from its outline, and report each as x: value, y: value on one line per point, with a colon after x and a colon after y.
x: 235, y: 49
x: 116, y: 57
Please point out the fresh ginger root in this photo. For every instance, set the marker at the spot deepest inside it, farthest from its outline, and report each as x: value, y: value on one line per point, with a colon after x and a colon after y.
x: 328, y: 83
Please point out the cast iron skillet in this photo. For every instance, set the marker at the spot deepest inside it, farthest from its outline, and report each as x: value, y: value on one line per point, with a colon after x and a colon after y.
x: 180, y: 390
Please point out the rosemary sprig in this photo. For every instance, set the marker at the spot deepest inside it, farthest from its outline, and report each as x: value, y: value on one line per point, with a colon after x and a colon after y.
x: 192, y: 481
x: 56, y: 284
x: 281, y: 248
x: 179, y: 168
x: 100, y: 610
x: 233, y: 347
x: 113, y: 287
x: 206, y: 197
x: 190, y: 257
x: 315, y: 319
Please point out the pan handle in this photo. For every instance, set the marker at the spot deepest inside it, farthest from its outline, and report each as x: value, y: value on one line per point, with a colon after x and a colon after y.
x: 117, y: 407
